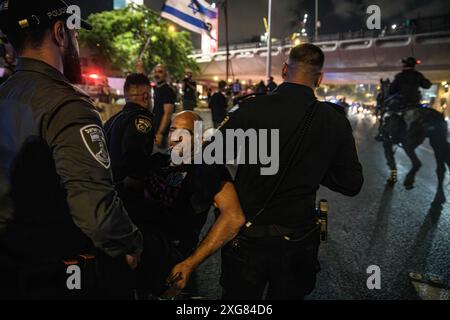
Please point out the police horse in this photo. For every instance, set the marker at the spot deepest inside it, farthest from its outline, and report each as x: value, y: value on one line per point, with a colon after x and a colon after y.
x: 408, y: 129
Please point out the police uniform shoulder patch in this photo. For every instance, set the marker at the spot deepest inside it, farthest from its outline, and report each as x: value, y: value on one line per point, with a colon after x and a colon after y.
x: 143, y: 124
x: 234, y: 109
x: 94, y: 140
x: 4, y: 5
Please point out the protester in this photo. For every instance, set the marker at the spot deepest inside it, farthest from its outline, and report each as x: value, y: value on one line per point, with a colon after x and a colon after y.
x: 164, y: 105
x: 189, y: 92
x: 219, y: 104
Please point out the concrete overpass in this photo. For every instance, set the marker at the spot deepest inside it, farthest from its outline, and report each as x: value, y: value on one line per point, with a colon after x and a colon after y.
x: 363, y: 60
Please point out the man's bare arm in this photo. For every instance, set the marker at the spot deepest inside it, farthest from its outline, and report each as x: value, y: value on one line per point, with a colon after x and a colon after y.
x: 225, y: 229
x: 165, y: 122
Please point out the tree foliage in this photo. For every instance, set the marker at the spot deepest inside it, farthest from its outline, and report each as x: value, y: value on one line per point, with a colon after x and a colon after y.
x: 119, y: 37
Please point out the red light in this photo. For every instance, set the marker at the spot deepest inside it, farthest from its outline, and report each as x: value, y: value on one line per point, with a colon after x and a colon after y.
x: 94, y: 76
x: 419, y: 61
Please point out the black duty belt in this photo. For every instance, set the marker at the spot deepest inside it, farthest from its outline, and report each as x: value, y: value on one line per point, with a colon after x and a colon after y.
x: 275, y: 230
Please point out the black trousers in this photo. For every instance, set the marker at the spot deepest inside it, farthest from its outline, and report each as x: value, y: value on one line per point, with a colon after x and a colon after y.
x: 114, y: 278
x: 288, y: 268
x: 105, y: 278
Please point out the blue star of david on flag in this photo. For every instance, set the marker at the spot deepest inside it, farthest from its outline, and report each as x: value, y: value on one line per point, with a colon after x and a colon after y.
x: 195, y: 15
x: 194, y: 7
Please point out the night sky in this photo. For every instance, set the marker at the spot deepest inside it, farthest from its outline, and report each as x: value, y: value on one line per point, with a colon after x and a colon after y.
x: 246, y: 16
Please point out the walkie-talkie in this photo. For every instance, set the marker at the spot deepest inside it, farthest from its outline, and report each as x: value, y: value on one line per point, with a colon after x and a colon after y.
x: 323, y: 219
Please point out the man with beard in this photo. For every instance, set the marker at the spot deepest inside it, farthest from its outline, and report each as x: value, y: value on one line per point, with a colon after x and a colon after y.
x: 57, y: 198
x: 182, y: 195
x: 164, y: 105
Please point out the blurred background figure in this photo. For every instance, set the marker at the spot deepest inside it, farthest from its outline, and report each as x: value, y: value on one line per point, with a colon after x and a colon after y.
x: 164, y: 105
x: 236, y: 88
x: 271, y: 85
x: 261, y: 88
x: 219, y: 105
x: 189, y: 92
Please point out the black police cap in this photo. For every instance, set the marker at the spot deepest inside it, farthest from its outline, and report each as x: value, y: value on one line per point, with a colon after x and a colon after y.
x: 20, y: 15
x: 410, y: 62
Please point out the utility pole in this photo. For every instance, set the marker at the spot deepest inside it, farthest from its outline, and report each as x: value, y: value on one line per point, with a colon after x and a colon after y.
x: 317, y: 21
x: 269, y: 43
x: 227, y: 38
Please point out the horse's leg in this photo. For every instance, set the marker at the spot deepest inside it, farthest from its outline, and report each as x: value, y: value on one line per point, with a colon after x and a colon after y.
x: 389, y: 153
x: 438, y: 141
x: 411, y: 177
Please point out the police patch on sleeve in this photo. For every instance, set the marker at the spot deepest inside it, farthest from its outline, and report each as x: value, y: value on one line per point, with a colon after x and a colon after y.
x: 95, y: 142
x: 234, y: 109
x: 143, y: 125
x: 4, y: 5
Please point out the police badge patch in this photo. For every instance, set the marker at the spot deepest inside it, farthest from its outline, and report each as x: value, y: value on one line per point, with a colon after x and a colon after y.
x: 4, y: 5
x: 95, y: 142
x: 143, y: 125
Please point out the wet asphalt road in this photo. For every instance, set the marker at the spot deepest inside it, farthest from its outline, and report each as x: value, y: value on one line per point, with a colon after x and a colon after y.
x: 395, y: 229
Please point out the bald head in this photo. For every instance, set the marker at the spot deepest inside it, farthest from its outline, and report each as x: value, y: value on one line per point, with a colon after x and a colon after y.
x: 160, y: 73
x: 185, y: 120
x: 183, y: 124
x: 305, y: 65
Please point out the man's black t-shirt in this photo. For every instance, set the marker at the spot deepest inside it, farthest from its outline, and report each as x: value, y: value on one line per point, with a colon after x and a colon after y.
x: 181, y: 198
x: 164, y: 94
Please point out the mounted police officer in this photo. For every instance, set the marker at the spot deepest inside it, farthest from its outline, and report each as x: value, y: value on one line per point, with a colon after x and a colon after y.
x: 57, y: 198
x: 407, y: 84
x: 401, y: 101
x: 279, y: 246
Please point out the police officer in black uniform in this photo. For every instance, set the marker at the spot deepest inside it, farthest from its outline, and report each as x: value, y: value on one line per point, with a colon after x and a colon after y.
x: 407, y: 84
x: 130, y: 137
x: 130, y: 133
x: 57, y: 198
x: 279, y: 247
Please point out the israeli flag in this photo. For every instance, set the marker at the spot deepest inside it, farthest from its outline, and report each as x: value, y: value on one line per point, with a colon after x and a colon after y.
x: 194, y: 15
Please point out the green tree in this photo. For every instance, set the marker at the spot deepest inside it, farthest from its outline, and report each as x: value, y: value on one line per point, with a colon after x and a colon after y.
x: 123, y: 36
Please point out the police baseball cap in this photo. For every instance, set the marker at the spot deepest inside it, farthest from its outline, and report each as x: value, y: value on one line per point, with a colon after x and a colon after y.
x: 410, y: 62
x: 20, y: 15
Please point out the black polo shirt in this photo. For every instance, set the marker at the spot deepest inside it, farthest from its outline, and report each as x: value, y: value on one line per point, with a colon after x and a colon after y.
x: 182, y: 196
x: 130, y: 135
x: 328, y: 156
x: 163, y: 95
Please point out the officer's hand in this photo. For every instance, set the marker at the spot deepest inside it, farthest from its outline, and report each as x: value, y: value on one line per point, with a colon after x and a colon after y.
x: 133, y: 260
x: 178, y: 280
